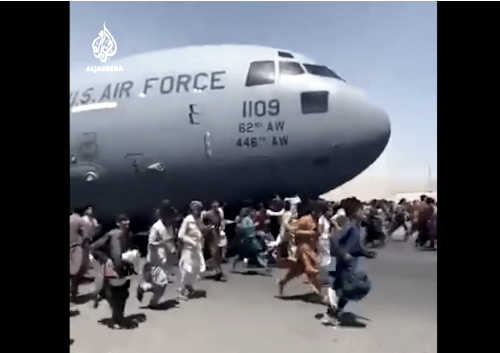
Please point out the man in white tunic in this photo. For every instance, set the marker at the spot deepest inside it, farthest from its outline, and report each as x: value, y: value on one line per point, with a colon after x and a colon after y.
x: 285, y: 235
x: 223, y: 237
x: 93, y: 228
x: 161, y: 247
x: 91, y: 222
x: 78, y: 250
x: 326, y: 231
x: 192, y: 262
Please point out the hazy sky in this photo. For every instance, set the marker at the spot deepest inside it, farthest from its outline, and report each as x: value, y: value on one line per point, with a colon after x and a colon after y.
x: 387, y: 49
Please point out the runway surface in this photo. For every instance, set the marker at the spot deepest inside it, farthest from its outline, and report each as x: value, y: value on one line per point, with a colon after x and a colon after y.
x: 244, y: 315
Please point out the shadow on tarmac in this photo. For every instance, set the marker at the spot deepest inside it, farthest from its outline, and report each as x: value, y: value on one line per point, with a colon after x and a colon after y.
x: 82, y: 299
x: 307, y: 298
x: 260, y: 272
x: 213, y: 277
x: 347, y: 319
x: 130, y: 322
x: 198, y: 293
x: 164, y: 306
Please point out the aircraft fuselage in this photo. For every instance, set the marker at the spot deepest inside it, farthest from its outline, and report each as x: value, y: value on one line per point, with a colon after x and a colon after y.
x: 190, y: 123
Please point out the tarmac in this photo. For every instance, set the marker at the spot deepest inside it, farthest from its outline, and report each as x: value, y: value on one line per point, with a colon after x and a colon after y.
x: 245, y: 314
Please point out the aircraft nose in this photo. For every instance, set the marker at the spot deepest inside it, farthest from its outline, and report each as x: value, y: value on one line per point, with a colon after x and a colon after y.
x: 365, y: 127
x: 379, y: 129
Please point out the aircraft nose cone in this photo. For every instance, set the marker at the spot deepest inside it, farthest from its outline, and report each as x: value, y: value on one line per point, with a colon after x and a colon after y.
x: 381, y: 129
x: 363, y: 128
x: 374, y: 131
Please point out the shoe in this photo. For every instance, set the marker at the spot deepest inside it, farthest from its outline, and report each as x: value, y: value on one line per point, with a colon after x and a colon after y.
x: 331, y: 311
x: 220, y: 277
x: 331, y: 317
x: 97, y: 299
x: 127, y: 324
x: 183, y: 295
x: 330, y: 321
x: 140, y: 293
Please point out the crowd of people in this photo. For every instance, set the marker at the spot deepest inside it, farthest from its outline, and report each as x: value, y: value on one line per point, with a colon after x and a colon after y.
x: 384, y: 217
x: 301, y: 237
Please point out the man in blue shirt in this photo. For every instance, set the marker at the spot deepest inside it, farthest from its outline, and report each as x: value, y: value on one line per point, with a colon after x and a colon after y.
x: 349, y: 284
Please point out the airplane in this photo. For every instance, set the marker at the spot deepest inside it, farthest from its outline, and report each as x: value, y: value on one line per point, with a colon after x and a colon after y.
x: 225, y: 122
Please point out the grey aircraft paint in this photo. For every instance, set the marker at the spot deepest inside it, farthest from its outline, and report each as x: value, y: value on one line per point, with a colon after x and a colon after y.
x: 189, y: 123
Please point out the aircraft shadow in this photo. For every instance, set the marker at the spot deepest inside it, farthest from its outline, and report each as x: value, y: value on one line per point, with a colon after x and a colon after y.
x: 307, y: 298
x: 164, y: 306
x: 347, y: 319
x: 131, y: 321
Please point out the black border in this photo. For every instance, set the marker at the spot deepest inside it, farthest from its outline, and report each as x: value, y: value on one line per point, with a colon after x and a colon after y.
x: 467, y: 158
x: 35, y: 87
x: 35, y: 91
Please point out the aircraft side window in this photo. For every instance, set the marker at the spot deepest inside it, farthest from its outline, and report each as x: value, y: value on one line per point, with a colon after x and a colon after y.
x: 314, y: 102
x: 320, y: 70
x: 260, y: 73
x: 290, y: 68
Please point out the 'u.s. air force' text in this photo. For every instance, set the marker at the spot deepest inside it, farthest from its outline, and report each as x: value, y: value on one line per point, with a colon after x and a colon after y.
x: 163, y: 85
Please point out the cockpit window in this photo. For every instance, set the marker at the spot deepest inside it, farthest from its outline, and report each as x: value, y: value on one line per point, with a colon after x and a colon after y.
x: 260, y: 73
x: 284, y: 54
x: 290, y: 68
x: 320, y: 70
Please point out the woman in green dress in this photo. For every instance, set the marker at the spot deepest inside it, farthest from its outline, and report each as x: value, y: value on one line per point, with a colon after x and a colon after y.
x: 249, y: 246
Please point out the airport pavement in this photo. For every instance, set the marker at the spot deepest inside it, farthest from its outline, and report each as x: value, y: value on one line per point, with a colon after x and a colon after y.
x: 244, y: 315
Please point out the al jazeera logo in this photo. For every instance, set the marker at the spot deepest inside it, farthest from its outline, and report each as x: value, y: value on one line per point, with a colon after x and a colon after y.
x: 103, y: 48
